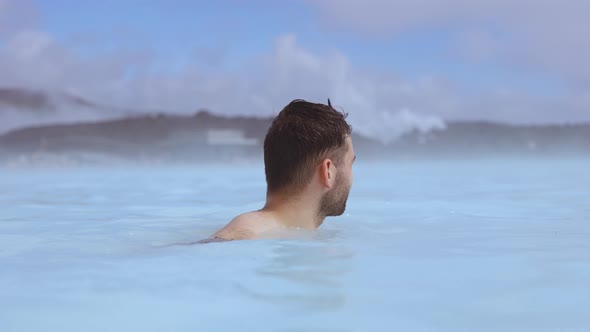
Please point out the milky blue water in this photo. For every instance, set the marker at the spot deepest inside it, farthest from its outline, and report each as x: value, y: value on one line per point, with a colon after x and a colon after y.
x: 465, y: 245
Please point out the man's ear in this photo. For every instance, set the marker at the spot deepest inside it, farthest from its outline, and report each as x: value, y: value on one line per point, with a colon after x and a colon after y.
x: 327, y: 173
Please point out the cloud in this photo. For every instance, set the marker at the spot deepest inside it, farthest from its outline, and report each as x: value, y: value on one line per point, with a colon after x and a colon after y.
x: 15, y: 15
x: 380, y: 103
x: 260, y: 86
x: 539, y: 35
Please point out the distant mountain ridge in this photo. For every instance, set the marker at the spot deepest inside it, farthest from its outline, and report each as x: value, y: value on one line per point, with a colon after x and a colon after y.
x: 208, y: 137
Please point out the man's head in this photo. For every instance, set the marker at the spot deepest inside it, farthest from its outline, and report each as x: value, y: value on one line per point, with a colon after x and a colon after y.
x: 300, y: 139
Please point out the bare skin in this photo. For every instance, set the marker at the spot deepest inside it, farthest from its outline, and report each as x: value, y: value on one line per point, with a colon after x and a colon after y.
x: 330, y: 184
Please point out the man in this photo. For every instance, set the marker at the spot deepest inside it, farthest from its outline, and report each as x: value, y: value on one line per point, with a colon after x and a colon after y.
x: 308, y: 157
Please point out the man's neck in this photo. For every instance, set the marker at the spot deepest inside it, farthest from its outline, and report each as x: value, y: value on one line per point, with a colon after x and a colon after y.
x: 294, y: 211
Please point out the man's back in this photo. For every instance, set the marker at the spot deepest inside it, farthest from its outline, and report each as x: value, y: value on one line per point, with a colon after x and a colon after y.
x: 251, y: 225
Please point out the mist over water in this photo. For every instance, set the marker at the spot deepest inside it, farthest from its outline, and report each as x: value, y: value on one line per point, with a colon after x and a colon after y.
x: 386, y: 127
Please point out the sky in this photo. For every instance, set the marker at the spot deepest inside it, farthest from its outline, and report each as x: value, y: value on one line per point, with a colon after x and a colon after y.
x: 416, y: 61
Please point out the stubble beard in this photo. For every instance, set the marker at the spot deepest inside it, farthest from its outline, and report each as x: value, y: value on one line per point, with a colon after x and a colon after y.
x: 333, y: 203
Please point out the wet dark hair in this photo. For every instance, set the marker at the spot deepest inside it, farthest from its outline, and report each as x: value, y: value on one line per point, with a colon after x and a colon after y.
x: 300, y: 136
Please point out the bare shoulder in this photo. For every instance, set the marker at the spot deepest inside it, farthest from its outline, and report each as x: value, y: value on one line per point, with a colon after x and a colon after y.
x: 245, y: 226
